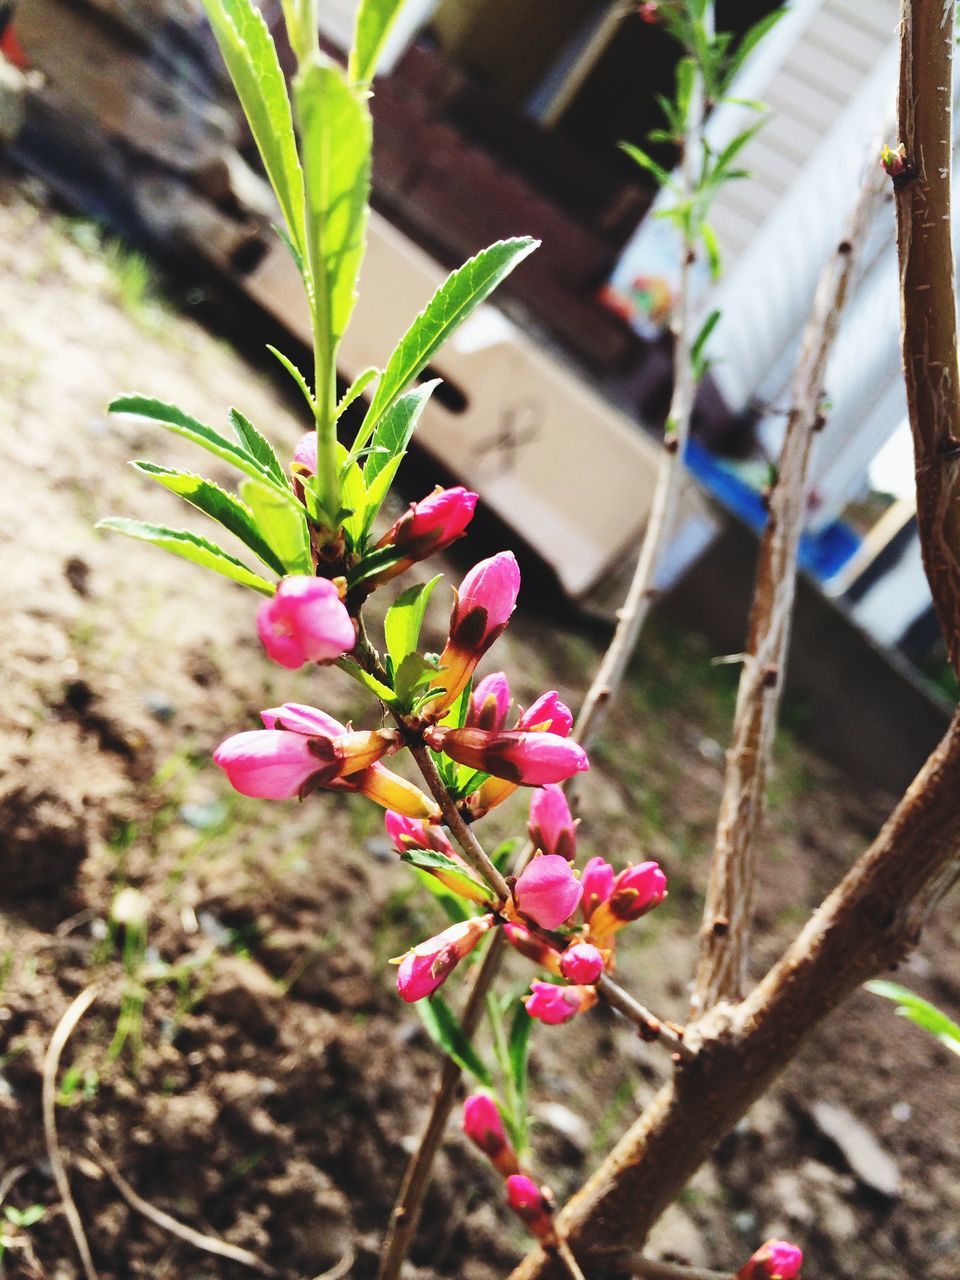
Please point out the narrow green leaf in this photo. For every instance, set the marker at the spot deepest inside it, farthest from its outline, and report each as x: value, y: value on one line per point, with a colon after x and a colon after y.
x: 413, y: 673
x: 295, y: 374
x: 337, y: 138
x: 353, y: 496
x: 251, y: 58
x: 749, y: 42
x: 377, y: 490
x: 518, y: 1048
x: 182, y: 543
x: 457, y: 879
x: 396, y: 427
x: 702, y: 338
x: 175, y: 420
x: 382, y: 691
x: 444, y: 1029
x: 372, y: 564
x: 920, y: 1011
x: 282, y: 523
x: 355, y: 389
x: 709, y: 237
x: 373, y: 23
x: 647, y: 162
x: 456, y: 298
x: 401, y: 627
x: 257, y: 445
x: 455, y: 908
x: 224, y: 507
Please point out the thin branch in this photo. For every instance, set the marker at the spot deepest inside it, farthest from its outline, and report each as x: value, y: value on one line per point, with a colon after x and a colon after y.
x: 472, y: 849
x: 728, y: 912
x: 636, y: 606
x: 927, y: 293
x: 209, y: 1244
x: 51, y: 1065
x: 870, y: 922
x: 416, y: 1179
x: 650, y: 1269
x: 650, y: 1027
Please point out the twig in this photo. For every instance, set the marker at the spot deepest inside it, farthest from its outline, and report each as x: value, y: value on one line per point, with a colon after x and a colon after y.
x: 870, y: 922
x: 631, y: 617
x: 210, y: 1244
x: 468, y: 842
x: 51, y: 1064
x: 10, y: 1179
x: 728, y: 911
x: 416, y: 1179
x: 650, y: 1269
x: 927, y: 293
x: 565, y: 1256
x: 649, y: 1026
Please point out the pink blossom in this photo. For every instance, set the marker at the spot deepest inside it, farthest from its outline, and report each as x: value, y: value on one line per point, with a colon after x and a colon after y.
x: 774, y: 1260
x: 581, y: 963
x: 553, y: 1005
x: 532, y: 1204
x: 523, y: 758
x: 484, y: 1127
x: 306, y: 621
x: 427, y: 527
x: 426, y: 966
x: 409, y: 834
x: 305, y: 454
x: 299, y: 718
x: 548, y: 714
x: 552, y: 828
x: 277, y: 764
x: 598, y: 878
x: 490, y: 703
x: 636, y: 891
x: 548, y: 891
x: 481, y: 611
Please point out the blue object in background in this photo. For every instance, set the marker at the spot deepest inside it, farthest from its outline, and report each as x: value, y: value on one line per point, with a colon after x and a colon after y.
x: 821, y: 554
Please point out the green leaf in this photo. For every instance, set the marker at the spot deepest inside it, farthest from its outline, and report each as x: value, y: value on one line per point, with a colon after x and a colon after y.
x: 182, y: 543
x: 295, y: 374
x: 647, y: 162
x: 257, y: 445
x: 920, y: 1011
x: 372, y: 564
x: 709, y: 237
x: 462, y: 291
x: 224, y: 507
x: 282, y: 523
x: 503, y: 852
x: 336, y: 134
x: 455, y: 908
x: 355, y: 389
x: 374, y: 21
x: 444, y: 1029
x: 700, y: 342
x: 382, y: 691
x: 353, y: 496
x: 453, y: 874
x: 175, y: 420
x: 749, y: 41
x: 401, y: 627
x: 254, y: 68
x: 518, y: 1048
x: 396, y: 427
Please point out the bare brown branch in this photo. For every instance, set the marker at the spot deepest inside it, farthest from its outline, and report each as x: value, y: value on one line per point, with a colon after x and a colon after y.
x: 869, y: 922
x: 725, y: 935
x: 927, y: 296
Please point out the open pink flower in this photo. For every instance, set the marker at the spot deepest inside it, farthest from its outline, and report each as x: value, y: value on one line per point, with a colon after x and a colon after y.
x: 597, y: 881
x: 306, y: 621
x: 774, y: 1260
x: 548, y: 892
x: 554, y: 1005
x: 484, y: 1127
x: 552, y: 828
x: 427, y: 527
x: 636, y: 891
x: 582, y: 963
x: 525, y: 759
x: 427, y: 965
x: 533, y: 1205
x: 481, y: 611
x: 548, y: 714
x: 489, y: 703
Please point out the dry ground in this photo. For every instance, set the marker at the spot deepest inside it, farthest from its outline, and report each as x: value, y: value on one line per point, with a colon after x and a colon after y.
x: 271, y: 1088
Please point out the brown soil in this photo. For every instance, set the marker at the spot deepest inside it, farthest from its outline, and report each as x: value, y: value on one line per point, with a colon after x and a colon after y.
x: 272, y: 1089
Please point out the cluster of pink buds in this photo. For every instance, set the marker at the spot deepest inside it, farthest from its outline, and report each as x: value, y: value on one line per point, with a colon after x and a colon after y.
x: 533, y: 1204
x: 774, y: 1260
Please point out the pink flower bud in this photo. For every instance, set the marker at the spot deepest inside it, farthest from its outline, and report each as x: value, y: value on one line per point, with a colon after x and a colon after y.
x: 597, y: 881
x: 305, y: 622
x: 297, y: 717
x: 525, y: 759
x: 428, y: 527
x: 408, y: 834
x: 548, y: 891
x: 649, y: 11
x: 481, y: 611
x: 894, y: 160
x: 553, y: 1005
x: 581, y: 963
x: 275, y: 764
x: 636, y: 891
x: 483, y: 1126
x: 552, y: 828
x: 489, y: 703
x: 427, y: 965
x: 534, y: 948
x: 533, y: 1205
x: 548, y: 715
x: 305, y: 454
x: 775, y: 1260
